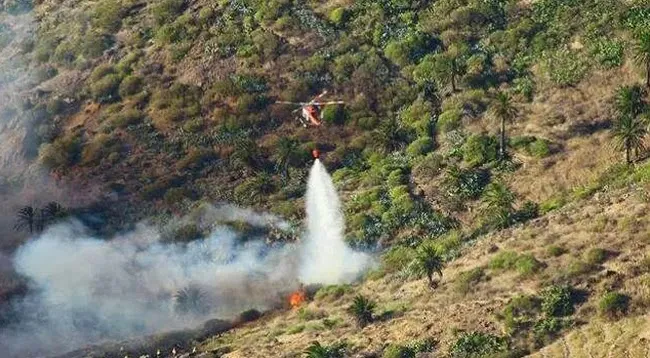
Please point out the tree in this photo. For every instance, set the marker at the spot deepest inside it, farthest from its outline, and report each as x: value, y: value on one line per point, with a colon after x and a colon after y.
x: 316, y: 350
x: 287, y: 152
x: 429, y: 262
x: 642, y: 54
x: 498, y: 202
x: 503, y: 110
x: 629, y: 100
x: 191, y: 300
x: 628, y: 134
x: 52, y: 212
x: 27, y: 219
x: 362, y: 309
x: 391, y: 135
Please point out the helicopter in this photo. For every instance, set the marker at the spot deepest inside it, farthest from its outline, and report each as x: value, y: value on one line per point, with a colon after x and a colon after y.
x: 310, y: 111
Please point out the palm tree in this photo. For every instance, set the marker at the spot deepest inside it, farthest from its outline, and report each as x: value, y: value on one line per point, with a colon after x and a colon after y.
x: 191, y: 300
x: 286, y: 153
x: 498, y: 200
x: 316, y: 350
x: 362, y: 309
x: 390, y: 135
x: 429, y: 262
x: 27, y: 219
x: 629, y: 133
x: 629, y: 100
x: 51, y: 213
x: 642, y: 54
x: 503, y: 110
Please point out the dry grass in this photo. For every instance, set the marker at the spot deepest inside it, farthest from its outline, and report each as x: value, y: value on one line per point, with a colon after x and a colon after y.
x: 419, y: 312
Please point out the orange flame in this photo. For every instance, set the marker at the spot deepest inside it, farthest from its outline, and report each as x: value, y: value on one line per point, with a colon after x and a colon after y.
x: 297, y: 298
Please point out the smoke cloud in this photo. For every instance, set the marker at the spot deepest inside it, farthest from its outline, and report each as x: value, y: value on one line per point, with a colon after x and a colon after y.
x: 85, y: 290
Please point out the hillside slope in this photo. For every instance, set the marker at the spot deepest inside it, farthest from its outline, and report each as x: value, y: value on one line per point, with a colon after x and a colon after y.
x: 562, y: 244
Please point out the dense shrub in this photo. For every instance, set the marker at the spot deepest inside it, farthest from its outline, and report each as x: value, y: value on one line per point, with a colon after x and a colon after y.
x: 334, y: 115
x: 557, y: 301
x: 130, y: 85
x: 398, y: 351
x: 167, y: 10
x: 420, y: 146
x: 520, y: 312
x: 478, y: 344
x: 565, y: 67
x: 524, y: 264
x: 106, y: 88
x: 465, y: 281
x: 595, y: 256
x: 127, y: 117
x: 449, y: 120
x: 613, y: 304
x: 338, y: 16
x: 64, y: 151
x: 480, y: 149
x: 539, y: 148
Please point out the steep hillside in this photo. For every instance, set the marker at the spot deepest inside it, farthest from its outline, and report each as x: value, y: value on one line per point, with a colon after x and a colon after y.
x: 502, y: 140
x: 169, y: 104
x: 499, y: 286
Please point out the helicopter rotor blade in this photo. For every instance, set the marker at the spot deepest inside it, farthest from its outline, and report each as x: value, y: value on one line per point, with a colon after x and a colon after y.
x: 296, y: 103
x: 326, y: 103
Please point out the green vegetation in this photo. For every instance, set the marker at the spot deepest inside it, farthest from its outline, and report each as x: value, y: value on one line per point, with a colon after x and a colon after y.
x: 316, y: 350
x: 524, y: 264
x: 613, y: 304
x: 428, y: 261
x: 504, y: 111
x: 478, y: 344
x: 557, y: 301
x: 465, y: 281
x: 362, y: 310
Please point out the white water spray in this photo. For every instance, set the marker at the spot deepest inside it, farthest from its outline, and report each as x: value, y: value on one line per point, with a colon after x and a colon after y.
x: 326, y: 258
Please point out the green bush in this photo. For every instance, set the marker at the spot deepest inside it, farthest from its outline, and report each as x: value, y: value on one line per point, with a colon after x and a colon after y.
x: 420, y: 146
x: 565, y: 67
x: 334, y: 114
x: 595, y: 256
x: 557, y: 301
x: 449, y: 120
x: 556, y: 251
x: 613, y: 304
x: 196, y: 159
x: 524, y: 264
x: 338, y: 16
x: 166, y: 11
x: 480, y: 149
x: 478, y: 344
x: 520, y: 312
x: 130, y: 85
x: 465, y: 281
x: 547, y: 327
x: 332, y: 292
x: 539, y: 148
x: 62, y: 152
x: 253, y: 189
x: 396, y: 178
x: 609, y: 53
x: 106, y: 89
x: 398, y: 351
x: 126, y: 118
x: 429, y: 166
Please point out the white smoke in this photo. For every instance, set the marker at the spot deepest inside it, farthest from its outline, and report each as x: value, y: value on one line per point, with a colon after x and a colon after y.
x: 326, y: 258
x: 89, y: 289
x: 86, y: 290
